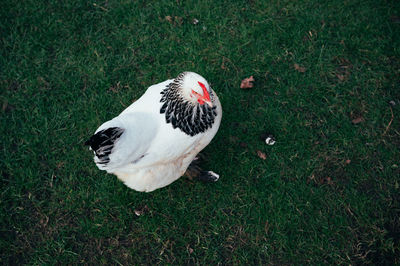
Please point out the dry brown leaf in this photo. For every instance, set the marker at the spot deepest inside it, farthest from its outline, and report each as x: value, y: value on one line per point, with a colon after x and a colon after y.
x: 299, y: 68
x: 190, y: 250
x: 357, y: 120
x: 261, y: 155
x: 169, y: 19
x: 247, y: 83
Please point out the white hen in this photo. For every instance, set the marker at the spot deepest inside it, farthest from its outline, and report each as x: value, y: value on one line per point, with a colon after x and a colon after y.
x: 153, y: 141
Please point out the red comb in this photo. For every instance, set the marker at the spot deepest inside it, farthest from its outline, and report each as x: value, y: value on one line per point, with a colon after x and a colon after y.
x: 206, y: 95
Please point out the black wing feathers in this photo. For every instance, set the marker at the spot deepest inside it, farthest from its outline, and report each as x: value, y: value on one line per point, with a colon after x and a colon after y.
x: 103, y: 142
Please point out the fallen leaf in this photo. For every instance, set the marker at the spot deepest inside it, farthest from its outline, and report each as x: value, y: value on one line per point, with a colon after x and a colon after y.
x: 169, y: 19
x: 247, y: 83
x: 357, y: 120
x: 261, y: 155
x: 299, y: 68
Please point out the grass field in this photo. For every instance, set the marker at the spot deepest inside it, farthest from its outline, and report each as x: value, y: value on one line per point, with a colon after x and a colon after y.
x: 327, y: 86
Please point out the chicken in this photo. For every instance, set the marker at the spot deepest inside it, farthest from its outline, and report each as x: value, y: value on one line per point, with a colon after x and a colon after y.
x: 153, y: 141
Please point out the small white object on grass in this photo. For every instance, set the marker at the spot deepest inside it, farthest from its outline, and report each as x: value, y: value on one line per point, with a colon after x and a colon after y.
x: 215, y: 175
x: 268, y: 138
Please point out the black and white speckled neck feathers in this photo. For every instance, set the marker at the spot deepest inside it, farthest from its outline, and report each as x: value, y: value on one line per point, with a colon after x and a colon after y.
x: 190, y: 117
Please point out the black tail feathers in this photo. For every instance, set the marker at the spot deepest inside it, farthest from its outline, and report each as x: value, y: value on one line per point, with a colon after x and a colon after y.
x: 103, y: 142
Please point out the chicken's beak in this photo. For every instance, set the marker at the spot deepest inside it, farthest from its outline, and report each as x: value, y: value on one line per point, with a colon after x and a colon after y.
x: 209, y: 103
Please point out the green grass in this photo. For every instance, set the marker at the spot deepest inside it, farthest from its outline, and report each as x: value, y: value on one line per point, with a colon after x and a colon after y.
x: 68, y: 66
